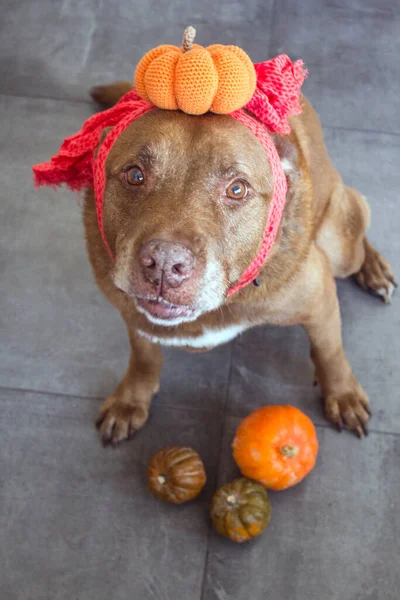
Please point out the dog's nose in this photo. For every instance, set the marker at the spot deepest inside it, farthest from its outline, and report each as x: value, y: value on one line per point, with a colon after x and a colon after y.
x: 167, y: 262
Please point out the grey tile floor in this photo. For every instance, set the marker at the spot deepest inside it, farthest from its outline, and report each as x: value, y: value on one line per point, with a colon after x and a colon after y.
x: 76, y: 521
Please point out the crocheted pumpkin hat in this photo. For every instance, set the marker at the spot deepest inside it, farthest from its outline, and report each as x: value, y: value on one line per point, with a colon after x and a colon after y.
x: 194, y: 80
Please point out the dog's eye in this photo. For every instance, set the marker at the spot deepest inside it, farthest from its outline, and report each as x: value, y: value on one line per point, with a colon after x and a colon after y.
x: 237, y: 190
x: 134, y: 176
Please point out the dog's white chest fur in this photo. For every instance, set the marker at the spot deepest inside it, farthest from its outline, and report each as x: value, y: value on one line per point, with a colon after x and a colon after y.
x: 208, y: 339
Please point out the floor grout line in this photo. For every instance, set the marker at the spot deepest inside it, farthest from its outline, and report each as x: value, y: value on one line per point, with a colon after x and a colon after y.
x: 101, y: 398
x: 5, y: 388
x: 72, y: 101
x: 375, y: 431
x: 360, y: 130
x: 217, y: 470
x: 218, y: 410
x: 50, y: 393
x: 93, y: 105
x: 271, y: 29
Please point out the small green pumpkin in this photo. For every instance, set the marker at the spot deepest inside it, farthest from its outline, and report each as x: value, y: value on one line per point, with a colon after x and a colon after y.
x: 240, y: 510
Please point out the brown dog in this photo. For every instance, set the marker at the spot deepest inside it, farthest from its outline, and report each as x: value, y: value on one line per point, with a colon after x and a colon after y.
x: 186, y: 201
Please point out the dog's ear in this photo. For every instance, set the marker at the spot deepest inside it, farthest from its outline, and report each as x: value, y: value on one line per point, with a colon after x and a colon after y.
x: 101, y: 140
x: 289, y: 158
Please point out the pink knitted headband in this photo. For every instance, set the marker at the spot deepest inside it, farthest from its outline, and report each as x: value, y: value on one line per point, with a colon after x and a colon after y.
x: 275, y: 99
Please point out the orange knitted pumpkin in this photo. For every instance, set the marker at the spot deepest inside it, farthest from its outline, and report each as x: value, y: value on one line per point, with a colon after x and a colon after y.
x: 220, y: 79
x: 276, y: 446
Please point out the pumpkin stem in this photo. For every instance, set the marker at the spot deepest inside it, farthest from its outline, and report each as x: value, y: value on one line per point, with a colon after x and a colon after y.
x: 289, y: 450
x: 188, y: 36
x: 161, y: 479
x: 231, y: 499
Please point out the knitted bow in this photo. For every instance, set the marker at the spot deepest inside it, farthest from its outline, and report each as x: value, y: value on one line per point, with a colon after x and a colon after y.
x: 278, y: 92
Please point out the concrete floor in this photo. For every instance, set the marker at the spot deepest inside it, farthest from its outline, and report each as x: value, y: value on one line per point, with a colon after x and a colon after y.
x: 76, y: 521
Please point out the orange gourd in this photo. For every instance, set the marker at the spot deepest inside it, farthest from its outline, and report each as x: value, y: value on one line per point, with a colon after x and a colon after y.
x: 220, y: 79
x: 276, y: 446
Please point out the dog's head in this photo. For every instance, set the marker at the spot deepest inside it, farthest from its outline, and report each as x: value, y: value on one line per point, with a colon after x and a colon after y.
x: 185, y: 206
x: 188, y: 207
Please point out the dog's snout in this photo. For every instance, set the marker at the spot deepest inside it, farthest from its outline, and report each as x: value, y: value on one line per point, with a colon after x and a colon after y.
x: 166, y: 261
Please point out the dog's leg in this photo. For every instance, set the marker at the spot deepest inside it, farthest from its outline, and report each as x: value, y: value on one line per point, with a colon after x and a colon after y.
x: 346, y: 404
x: 127, y: 409
x: 376, y: 275
x: 342, y: 236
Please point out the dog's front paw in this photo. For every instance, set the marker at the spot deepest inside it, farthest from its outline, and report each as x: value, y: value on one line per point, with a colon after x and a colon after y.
x: 119, y: 420
x: 349, y: 410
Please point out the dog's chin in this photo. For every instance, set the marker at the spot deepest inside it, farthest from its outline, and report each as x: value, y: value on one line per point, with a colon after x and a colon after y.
x: 161, y: 312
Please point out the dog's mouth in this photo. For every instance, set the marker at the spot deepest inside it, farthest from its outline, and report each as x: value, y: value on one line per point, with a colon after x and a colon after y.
x: 161, y: 309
